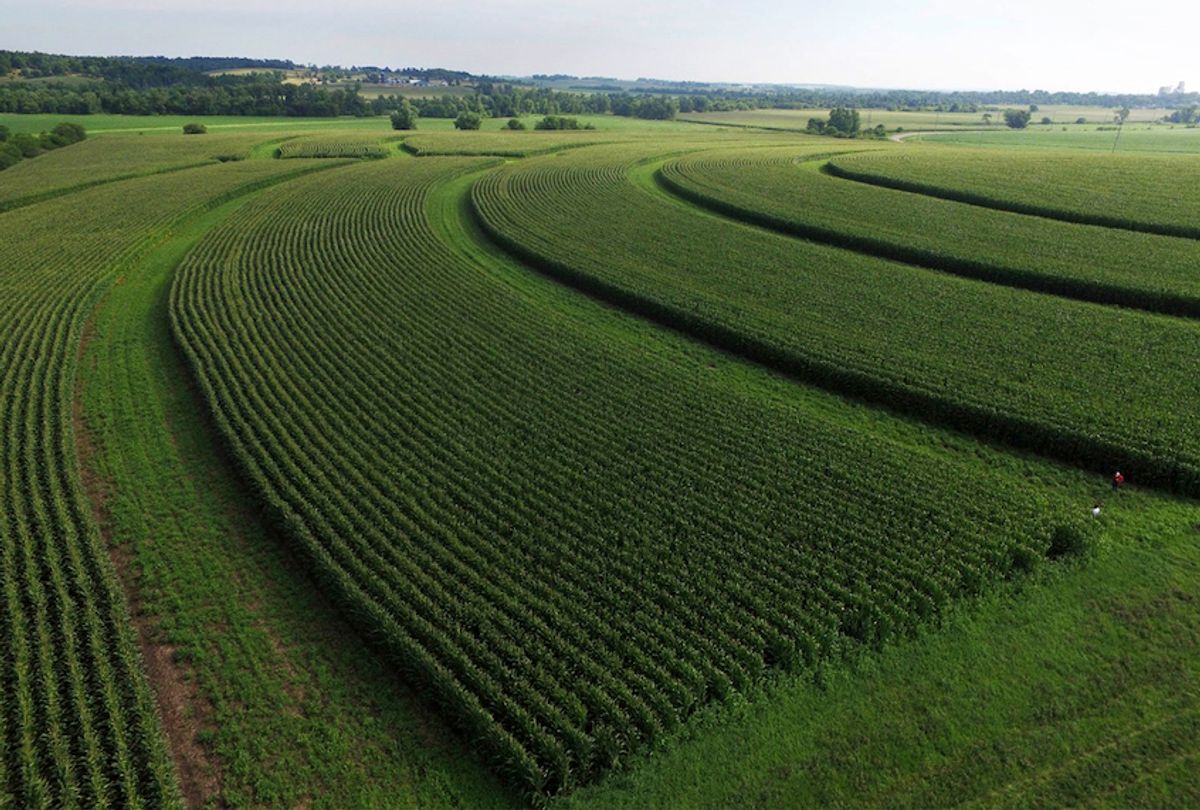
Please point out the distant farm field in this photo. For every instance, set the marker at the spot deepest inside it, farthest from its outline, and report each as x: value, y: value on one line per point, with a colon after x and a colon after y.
x: 655, y: 464
x: 919, y: 119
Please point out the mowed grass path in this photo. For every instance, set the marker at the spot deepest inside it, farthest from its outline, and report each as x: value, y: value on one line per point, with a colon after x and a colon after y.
x: 269, y: 699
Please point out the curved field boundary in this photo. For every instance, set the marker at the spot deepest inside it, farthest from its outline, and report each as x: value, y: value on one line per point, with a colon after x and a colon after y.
x: 78, y: 725
x: 1099, y: 292
x: 1090, y: 453
x: 689, y: 297
x: 534, y: 504
x: 984, y: 201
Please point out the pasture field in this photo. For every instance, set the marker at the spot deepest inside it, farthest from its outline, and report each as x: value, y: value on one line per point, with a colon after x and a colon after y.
x: 653, y: 465
x: 1148, y: 193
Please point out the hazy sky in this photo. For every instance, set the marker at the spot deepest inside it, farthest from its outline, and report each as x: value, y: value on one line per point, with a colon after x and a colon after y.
x: 1011, y: 44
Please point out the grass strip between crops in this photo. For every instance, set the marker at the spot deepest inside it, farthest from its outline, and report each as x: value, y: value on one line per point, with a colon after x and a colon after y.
x: 267, y: 698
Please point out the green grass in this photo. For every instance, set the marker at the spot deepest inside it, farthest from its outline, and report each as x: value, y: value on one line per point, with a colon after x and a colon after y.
x: 298, y: 710
x: 1079, y: 689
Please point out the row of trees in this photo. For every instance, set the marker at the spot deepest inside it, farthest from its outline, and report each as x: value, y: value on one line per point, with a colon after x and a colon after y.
x: 258, y: 96
x: 844, y: 122
x: 508, y: 101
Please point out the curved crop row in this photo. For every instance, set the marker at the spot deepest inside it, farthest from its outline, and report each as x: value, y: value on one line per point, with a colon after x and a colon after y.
x: 1147, y: 193
x: 497, y: 144
x: 110, y: 158
x: 1092, y: 264
x: 333, y: 148
x: 1098, y: 387
x: 566, y: 530
x: 78, y: 726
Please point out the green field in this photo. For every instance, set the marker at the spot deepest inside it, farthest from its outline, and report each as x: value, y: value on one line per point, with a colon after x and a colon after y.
x: 1134, y: 138
x: 656, y: 465
x: 920, y: 119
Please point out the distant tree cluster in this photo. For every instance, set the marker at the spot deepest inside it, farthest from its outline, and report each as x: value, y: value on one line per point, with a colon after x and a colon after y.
x: 844, y: 122
x: 15, y: 148
x: 560, y: 122
x: 221, y: 95
x: 1017, y: 119
x: 1185, y: 115
x: 132, y: 71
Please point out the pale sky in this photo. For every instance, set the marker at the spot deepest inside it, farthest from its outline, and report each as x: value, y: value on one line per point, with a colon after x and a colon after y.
x: 1103, y: 45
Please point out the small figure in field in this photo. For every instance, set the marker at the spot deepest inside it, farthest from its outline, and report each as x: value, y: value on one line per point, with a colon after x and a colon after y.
x: 1096, y: 511
x: 1118, y: 480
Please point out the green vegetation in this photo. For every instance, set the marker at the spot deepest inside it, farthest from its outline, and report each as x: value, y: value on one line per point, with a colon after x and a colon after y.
x: 14, y: 148
x: 192, y: 128
x: 468, y: 120
x: 1016, y: 119
x: 334, y: 148
x: 560, y: 122
x: 112, y: 158
x: 1153, y: 194
x: 768, y: 188
x: 1074, y: 380
x: 1076, y: 691
x: 1141, y: 139
x: 558, y: 655
x: 79, y: 724
x: 404, y: 116
x: 285, y: 706
x: 615, y: 562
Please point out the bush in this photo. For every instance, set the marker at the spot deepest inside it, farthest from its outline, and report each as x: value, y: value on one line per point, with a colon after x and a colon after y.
x: 1046, y: 120
x: 30, y: 145
x: 9, y: 155
x: 68, y: 133
x: 1017, y: 119
x: 194, y: 129
x: 1081, y: 120
x: 405, y: 117
x: 1068, y: 540
x: 516, y: 123
x: 4, y: 133
x: 468, y: 120
x: 557, y: 122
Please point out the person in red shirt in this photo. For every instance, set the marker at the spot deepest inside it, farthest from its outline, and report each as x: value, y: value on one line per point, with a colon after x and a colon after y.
x: 1117, y: 480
